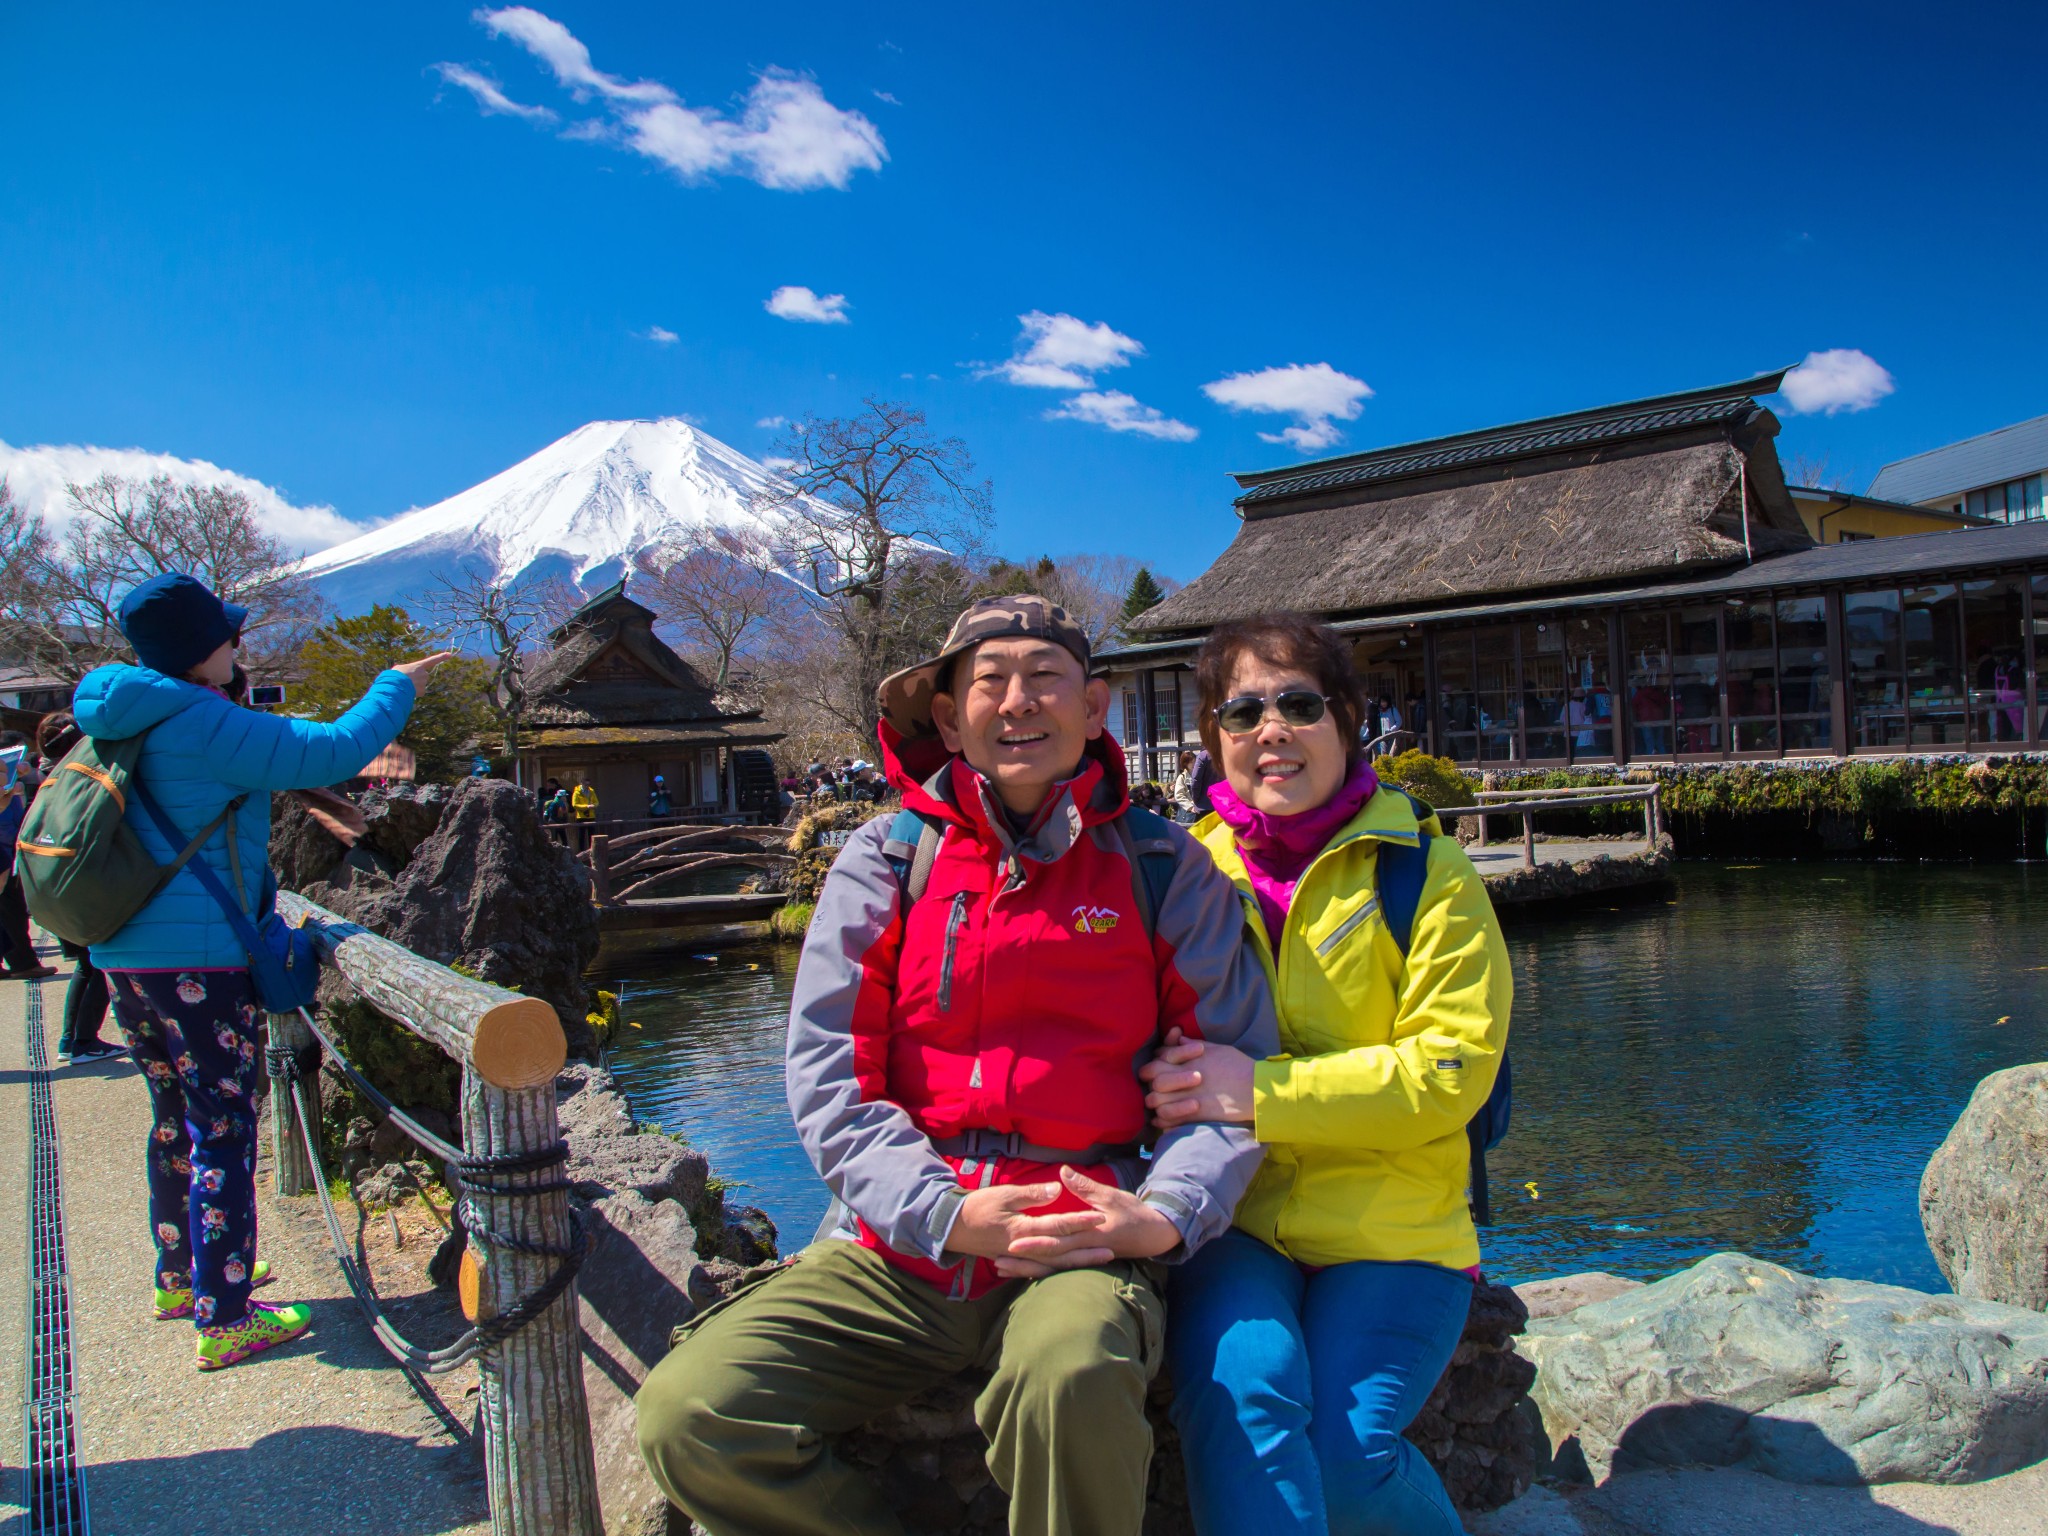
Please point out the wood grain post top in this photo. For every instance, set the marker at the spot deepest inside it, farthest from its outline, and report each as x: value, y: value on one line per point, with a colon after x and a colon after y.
x: 518, y: 1044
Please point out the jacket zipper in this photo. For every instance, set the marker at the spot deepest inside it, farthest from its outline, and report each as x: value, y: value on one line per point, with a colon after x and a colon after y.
x: 955, y: 920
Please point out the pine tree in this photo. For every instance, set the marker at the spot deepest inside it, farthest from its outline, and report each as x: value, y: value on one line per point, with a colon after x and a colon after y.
x: 1144, y: 593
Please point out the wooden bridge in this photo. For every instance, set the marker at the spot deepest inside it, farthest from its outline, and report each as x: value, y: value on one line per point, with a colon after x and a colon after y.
x: 628, y: 868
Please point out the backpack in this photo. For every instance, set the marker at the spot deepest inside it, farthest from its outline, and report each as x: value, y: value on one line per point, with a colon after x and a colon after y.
x: 83, y: 871
x: 912, y: 845
x: 1400, y: 871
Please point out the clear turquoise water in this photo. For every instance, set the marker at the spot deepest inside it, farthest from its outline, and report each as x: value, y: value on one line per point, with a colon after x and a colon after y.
x: 1763, y: 1063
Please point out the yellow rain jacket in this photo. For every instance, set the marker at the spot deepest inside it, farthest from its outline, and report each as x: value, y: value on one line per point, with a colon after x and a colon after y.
x: 583, y: 802
x: 1384, y: 1061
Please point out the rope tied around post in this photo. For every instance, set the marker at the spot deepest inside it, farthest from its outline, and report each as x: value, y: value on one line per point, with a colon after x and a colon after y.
x: 474, y: 1176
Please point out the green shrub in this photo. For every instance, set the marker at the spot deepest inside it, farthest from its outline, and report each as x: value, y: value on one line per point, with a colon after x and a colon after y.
x: 1434, y: 781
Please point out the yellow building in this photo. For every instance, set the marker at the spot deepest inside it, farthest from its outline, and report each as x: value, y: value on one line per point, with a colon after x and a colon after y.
x: 1841, y: 517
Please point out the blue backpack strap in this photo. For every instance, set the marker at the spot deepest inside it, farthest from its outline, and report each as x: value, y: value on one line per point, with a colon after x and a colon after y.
x: 1401, y: 870
x: 910, y: 846
x: 1148, y: 841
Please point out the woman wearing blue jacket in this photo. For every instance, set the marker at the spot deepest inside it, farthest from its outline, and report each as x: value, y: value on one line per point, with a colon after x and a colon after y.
x: 179, y: 976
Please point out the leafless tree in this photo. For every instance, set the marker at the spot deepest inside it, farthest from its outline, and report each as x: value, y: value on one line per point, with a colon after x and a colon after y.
x: 63, y: 595
x: 719, y: 588
x: 509, y: 622
x: 883, y: 520
x: 1805, y: 471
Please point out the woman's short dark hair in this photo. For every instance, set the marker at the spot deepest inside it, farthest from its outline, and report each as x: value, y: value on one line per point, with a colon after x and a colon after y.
x: 1282, y: 640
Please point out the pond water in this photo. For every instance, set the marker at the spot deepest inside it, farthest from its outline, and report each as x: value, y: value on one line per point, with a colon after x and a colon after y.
x: 1763, y: 1061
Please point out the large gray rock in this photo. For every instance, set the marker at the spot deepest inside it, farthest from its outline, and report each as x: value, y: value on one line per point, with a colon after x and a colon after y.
x: 1984, y: 1196
x: 491, y: 891
x: 401, y: 817
x: 1736, y: 1362
x: 1567, y: 1293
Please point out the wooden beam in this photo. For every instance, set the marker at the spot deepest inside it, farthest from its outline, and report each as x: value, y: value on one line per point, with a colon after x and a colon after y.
x: 510, y: 1040
x: 288, y: 1152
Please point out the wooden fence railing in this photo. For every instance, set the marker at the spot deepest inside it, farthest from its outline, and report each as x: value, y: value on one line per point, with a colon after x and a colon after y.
x: 541, y: 1475
x: 1528, y: 804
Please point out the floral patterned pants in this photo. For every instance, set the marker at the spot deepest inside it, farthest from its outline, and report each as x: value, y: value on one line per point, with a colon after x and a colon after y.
x: 193, y: 1033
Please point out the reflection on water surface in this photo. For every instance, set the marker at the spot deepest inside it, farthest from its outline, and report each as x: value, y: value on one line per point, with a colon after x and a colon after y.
x: 1765, y: 1063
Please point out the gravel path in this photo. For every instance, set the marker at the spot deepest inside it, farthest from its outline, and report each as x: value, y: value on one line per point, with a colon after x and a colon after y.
x: 322, y: 1437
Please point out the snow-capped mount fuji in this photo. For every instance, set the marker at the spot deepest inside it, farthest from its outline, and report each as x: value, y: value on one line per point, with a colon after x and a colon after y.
x: 580, y: 509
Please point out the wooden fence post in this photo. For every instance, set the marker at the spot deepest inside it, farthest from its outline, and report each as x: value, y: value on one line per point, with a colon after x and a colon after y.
x: 1656, y: 813
x: 1528, y: 839
x: 601, y: 869
x: 538, y: 1464
x: 288, y: 1153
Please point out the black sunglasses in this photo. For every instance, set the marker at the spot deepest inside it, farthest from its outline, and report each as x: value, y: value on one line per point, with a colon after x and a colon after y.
x: 1297, y: 707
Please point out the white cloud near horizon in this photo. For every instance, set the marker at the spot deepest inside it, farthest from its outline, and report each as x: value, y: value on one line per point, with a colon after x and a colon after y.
x: 1063, y: 352
x: 38, y: 476
x: 1316, y: 395
x: 787, y: 136
x: 1121, y: 413
x: 660, y: 335
x: 793, y: 301
x: 772, y: 423
x: 490, y: 97
x: 1839, y: 379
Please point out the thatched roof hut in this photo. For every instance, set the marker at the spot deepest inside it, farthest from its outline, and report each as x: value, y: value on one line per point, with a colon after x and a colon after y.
x: 1645, y: 490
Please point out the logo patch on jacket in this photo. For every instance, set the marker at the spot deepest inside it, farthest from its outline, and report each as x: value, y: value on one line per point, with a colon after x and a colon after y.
x: 1094, y: 919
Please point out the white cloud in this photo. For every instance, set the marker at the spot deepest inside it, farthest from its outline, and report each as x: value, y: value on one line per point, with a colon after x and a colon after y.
x: 1061, y: 352
x: 1120, y: 413
x: 660, y: 335
x: 555, y: 46
x: 772, y: 423
x: 778, y: 462
x: 788, y: 137
x: 38, y: 476
x: 885, y: 96
x: 1316, y: 395
x: 793, y: 301
x: 1839, y: 379
x: 488, y: 95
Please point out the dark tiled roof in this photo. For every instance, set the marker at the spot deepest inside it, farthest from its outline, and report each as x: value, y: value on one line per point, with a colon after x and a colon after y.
x: 1550, y: 434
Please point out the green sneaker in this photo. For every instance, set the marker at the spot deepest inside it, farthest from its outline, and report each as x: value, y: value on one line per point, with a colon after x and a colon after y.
x: 178, y: 1303
x: 264, y: 1328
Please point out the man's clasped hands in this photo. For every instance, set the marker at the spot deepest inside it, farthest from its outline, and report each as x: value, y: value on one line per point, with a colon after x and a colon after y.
x: 1030, y: 1230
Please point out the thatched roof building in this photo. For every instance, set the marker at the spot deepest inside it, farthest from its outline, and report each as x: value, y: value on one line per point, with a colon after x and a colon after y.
x: 613, y: 705
x: 1677, y: 484
x: 1632, y: 582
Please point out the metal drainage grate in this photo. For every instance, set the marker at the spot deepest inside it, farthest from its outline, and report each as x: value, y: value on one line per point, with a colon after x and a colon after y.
x: 53, y: 1487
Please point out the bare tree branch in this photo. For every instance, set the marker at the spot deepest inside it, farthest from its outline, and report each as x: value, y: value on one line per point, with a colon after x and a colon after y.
x: 717, y: 588
x: 510, y: 621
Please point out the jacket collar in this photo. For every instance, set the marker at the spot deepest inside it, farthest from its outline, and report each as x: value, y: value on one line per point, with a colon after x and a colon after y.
x: 955, y: 793
x: 1388, y: 815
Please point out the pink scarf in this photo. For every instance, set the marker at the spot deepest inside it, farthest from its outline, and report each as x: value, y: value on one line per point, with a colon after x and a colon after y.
x: 1277, y: 849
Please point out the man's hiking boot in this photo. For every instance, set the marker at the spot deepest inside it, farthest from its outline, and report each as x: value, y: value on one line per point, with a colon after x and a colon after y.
x: 175, y: 1304
x: 264, y: 1328
x: 97, y: 1050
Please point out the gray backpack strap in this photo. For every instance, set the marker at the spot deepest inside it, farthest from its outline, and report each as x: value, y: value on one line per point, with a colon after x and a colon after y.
x: 919, y: 880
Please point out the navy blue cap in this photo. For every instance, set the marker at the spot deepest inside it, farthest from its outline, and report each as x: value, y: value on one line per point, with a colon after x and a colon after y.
x: 174, y: 622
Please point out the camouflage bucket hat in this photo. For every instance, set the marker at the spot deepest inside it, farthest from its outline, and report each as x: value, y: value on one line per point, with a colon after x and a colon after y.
x: 906, y: 696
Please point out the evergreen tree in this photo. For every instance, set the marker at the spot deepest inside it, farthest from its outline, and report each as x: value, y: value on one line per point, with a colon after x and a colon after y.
x: 340, y: 660
x: 1144, y: 593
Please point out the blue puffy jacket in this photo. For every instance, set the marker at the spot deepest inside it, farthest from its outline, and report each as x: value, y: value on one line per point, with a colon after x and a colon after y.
x: 201, y: 752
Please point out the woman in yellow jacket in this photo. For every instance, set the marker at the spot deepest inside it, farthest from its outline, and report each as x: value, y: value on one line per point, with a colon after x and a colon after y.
x: 1307, y: 1338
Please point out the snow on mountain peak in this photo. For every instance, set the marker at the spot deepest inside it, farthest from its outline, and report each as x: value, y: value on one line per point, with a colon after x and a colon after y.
x: 580, y: 509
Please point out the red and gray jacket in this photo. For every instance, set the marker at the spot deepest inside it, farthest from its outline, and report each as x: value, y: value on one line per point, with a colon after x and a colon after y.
x: 992, y: 1029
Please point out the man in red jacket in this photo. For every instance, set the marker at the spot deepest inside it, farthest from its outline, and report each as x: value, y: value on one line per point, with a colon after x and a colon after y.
x: 970, y: 1013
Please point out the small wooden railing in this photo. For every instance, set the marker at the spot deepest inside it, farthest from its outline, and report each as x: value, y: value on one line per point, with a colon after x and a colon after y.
x: 622, y: 868
x: 540, y: 1471
x: 1528, y: 804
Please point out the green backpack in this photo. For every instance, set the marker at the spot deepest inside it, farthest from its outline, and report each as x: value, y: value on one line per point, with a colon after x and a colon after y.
x: 83, y: 871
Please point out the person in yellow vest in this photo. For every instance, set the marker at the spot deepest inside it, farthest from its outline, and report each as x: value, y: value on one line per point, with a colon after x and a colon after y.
x: 583, y: 803
x: 1304, y: 1340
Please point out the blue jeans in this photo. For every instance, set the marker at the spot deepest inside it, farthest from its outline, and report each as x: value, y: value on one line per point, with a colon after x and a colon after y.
x: 1291, y: 1391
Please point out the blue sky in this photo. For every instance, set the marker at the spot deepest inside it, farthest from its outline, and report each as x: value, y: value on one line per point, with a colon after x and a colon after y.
x: 281, y: 239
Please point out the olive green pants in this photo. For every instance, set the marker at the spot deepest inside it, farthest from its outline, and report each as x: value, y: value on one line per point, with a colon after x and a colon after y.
x: 734, y: 1423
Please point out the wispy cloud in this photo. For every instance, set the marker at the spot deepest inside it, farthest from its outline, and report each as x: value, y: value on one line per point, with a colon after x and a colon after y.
x: 489, y: 97
x: 1062, y: 352
x: 885, y: 96
x: 787, y: 136
x: 1316, y: 395
x: 1121, y: 413
x: 793, y: 301
x: 772, y: 423
x: 660, y: 335
x: 1839, y: 379
x: 38, y: 476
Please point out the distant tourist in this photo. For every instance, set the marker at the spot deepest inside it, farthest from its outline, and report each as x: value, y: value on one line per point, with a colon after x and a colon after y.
x: 1207, y: 776
x: 1373, y: 723
x: 1181, y: 790
x: 179, y: 975
x: 658, y: 802
x: 85, y: 998
x: 1304, y: 1340
x: 583, y: 802
x: 17, y: 777
x: 967, y: 1013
